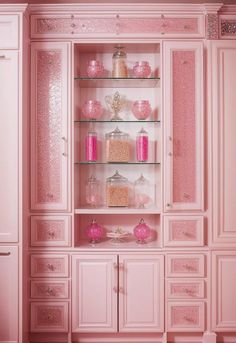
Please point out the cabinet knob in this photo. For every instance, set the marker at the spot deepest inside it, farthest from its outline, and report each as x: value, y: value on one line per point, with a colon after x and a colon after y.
x: 115, y: 289
x: 121, y: 265
x: 51, y: 266
x: 5, y: 253
x: 115, y: 265
x: 168, y: 205
x: 2, y: 57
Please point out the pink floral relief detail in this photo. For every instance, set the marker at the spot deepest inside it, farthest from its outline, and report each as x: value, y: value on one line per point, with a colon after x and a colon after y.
x: 49, y: 126
x: 183, y: 289
x: 185, y: 315
x: 184, y: 135
x: 184, y: 265
x: 50, y: 230
x: 184, y: 230
x: 50, y: 265
x: 50, y: 315
x: 50, y: 290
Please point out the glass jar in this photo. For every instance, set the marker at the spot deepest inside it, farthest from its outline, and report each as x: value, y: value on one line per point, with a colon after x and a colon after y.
x: 119, y: 63
x: 91, y: 146
x: 92, y: 109
x: 142, y: 146
x: 142, y: 231
x: 95, y: 68
x: 141, y: 69
x: 117, y: 146
x: 94, y: 232
x: 117, y: 191
x: 93, y: 191
x: 141, y: 192
x: 141, y: 109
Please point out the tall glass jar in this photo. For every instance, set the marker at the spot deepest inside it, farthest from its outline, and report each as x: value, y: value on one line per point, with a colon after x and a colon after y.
x: 142, y: 192
x: 119, y: 63
x: 117, y: 146
x: 93, y: 191
x: 91, y: 146
x: 117, y: 191
x: 142, y: 146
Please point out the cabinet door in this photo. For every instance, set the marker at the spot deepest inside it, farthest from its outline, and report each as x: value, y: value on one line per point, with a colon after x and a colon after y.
x: 224, y: 286
x: 183, y: 109
x: 9, y: 294
x: 94, y: 293
x: 9, y: 139
x: 223, y: 122
x: 141, y: 293
x: 50, y: 139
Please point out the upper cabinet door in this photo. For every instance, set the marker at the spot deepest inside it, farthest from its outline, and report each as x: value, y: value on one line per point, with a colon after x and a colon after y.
x: 141, y: 293
x: 223, y: 123
x: 183, y: 115
x: 9, y: 143
x: 50, y: 123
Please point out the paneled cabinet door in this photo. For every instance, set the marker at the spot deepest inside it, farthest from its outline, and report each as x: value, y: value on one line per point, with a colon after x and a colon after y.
x: 183, y: 109
x: 9, y: 294
x: 223, y: 123
x: 94, y: 293
x: 224, y: 286
x: 50, y: 123
x: 9, y: 143
x: 141, y: 293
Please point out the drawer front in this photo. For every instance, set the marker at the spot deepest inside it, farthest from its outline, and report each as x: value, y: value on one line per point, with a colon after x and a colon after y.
x: 49, y: 265
x: 185, y: 288
x: 188, y: 316
x: 64, y: 26
x: 9, y: 32
x: 183, y: 231
x: 191, y: 265
x: 49, y: 317
x: 48, y: 231
x: 57, y: 289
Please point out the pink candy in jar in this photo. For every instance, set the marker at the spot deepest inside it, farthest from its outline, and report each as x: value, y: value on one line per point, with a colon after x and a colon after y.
x: 95, y: 68
x: 94, y: 232
x: 142, y: 231
x: 142, y: 146
x: 141, y: 109
x: 141, y: 69
x: 92, y: 109
x: 91, y: 146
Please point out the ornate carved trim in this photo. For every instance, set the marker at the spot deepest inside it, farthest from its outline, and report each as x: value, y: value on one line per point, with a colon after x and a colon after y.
x: 228, y: 27
x: 212, y: 25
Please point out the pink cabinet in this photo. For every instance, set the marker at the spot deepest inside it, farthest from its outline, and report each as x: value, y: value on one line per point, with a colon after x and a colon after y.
x: 223, y: 122
x: 9, y: 288
x: 135, y: 280
x: 223, y: 295
x: 9, y: 32
x: 183, y: 108
x: 9, y: 141
x: 50, y: 126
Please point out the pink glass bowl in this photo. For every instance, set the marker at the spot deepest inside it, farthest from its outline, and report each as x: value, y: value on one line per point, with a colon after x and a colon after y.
x: 94, y: 232
x: 95, y: 68
x: 141, y: 109
x: 142, y: 231
x: 92, y: 109
x: 141, y: 69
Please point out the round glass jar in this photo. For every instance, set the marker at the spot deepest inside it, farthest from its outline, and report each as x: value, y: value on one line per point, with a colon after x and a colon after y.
x: 117, y: 146
x: 94, y: 232
x: 141, y: 109
x: 141, y: 69
x: 92, y: 109
x: 119, y: 63
x: 93, y: 191
x: 117, y: 191
x: 142, y: 231
x: 95, y: 68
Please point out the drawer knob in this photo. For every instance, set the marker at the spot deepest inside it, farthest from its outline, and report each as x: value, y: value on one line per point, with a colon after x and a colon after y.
x: 51, y: 266
x: 50, y: 291
x: 51, y: 233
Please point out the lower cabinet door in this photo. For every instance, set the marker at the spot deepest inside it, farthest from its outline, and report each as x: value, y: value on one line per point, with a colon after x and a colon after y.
x: 141, y: 293
x: 9, y: 294
x: 94, y: 293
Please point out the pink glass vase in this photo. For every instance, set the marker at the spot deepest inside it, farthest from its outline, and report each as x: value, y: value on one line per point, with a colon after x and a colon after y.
x: 94, y: 232
x: 95, y: 68
x: 142, y: 231
x: 141, y: 109
x: 141, y: 69
x: 92, y: 109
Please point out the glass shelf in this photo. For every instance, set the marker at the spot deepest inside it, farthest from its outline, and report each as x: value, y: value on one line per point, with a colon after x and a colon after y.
x: 116, y: 121
x: 121, y: 163
x: 109, y: 82
x: 117, y: 210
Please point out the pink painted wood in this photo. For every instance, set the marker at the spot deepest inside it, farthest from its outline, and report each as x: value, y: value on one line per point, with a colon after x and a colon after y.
x: 49, y: 265
x: 55, y: 289
x: 9, y: 31
x: 185, y: 288
x: 185, y: 265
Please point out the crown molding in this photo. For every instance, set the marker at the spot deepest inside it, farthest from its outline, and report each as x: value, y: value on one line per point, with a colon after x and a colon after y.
x: 228, y: 9
x: 13, y: 7
x: 212, y: 8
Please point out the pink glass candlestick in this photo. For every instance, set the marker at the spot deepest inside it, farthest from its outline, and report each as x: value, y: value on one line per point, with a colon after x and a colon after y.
x: 94, y: 232
x: 142, y: 146
x: 142, y: 231
x: 91, y: 147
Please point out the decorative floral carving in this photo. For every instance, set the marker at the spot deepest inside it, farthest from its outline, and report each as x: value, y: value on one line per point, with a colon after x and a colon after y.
x: 50, y: 315
x: 183, y: 230
x: 228, y: 27
x: 184, y: 265
x: 185, y: 315
x: 212, y: 26
x: 52, y: 230
x: 182, y: 289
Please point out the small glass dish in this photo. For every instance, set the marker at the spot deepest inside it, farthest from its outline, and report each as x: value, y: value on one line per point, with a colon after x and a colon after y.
x: 118, y: 236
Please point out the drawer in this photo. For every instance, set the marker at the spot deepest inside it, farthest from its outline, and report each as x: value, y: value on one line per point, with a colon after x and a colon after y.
x: 49, y: 317
x: 183, y: 231
x: 50, y: 231
x: 185, y: 316
x: 185, y: 288
x: 56, y: 289
x: 9, y: 32
x: 182, y: 265
x: 62, y: 26
x: 49, y: 265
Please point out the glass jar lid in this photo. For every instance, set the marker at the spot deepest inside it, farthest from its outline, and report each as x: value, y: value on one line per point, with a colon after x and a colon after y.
x: 117, y: 178
x: 142, y: 132
x: 141, y: 181
x: 117, y: 134
x: 119, y: 53
x: 92, y: 179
